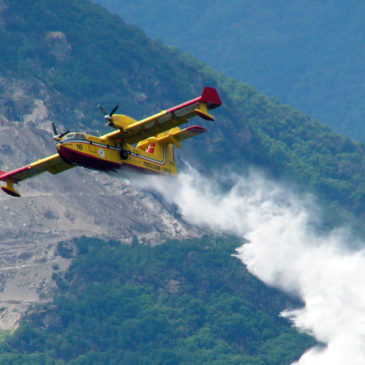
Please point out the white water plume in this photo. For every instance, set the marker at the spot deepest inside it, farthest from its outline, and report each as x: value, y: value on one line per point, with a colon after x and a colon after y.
x: 285, y: 251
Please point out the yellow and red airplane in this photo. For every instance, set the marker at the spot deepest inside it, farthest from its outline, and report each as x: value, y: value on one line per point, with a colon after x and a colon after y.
x: 155, y: 137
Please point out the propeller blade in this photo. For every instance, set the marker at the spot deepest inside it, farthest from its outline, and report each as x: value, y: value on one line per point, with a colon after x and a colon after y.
x: 102, y: 109
x: 56, y: 136
x: 108, y: 117
x: 54, y: 129
x: 63, y: 134
x: 114, y: 110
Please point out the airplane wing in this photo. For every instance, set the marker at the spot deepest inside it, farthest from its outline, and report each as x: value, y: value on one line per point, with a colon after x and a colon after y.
x: 132, y: 131
x: 53, y: 164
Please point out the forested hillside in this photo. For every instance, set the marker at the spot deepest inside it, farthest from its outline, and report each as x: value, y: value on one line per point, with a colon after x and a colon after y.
x: 70, y: 63
x: 306, y: 54
x: 179, y: 303
x: 184, y: 302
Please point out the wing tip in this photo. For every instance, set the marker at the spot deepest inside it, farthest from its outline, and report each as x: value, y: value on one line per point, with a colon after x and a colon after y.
x: 204, y: 115
x: 197, y: 129
x: 10, y: 191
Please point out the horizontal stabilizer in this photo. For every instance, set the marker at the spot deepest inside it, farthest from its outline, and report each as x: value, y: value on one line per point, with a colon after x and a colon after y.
x: 175, y: 136
x: 190, y: 132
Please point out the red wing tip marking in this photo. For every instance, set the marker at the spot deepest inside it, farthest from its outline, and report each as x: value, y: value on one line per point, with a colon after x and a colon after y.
x: 197, y: 129
x: 10, y: 174
x: 209, y: 96
x: 196, y: 100
x: 2, y: 172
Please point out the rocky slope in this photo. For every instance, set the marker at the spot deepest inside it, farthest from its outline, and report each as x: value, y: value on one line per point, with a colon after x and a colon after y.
x: 57, y: 208
x: 59, y: 61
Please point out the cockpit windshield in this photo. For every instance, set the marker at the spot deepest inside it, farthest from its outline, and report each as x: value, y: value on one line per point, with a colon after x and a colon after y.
x: 74, y: 136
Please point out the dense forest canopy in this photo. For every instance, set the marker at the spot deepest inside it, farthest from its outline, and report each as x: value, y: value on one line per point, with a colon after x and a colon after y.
x: 185, y: 302
x: 308, y: 54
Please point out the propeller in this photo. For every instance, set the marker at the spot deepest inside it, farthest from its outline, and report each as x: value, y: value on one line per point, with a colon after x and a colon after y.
x: 56, y: 136
x: 108, y: 117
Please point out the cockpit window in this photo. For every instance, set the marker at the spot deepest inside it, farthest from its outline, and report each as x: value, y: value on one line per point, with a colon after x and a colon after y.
x: 80, y: 136
x: 68, y: 137
x: 73, y: 136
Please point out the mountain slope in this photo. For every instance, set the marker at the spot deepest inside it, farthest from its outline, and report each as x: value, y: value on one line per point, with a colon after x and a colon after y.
x: 80, y: 63
x: 58, y: 67
x: 62, y: 60
x: 307, y: 54
x: 184, y: 302
x: 59, y: 60
x: 55, y: 208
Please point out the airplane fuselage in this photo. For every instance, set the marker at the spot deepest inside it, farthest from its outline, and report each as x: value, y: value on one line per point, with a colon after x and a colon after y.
x: 98, y: 153
x: 146, y: 145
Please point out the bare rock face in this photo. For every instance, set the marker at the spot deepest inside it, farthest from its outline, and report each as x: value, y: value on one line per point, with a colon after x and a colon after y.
x: 23, y: 101
x: 26, y: 269
x: 56, y: 208
x: 58, y: 45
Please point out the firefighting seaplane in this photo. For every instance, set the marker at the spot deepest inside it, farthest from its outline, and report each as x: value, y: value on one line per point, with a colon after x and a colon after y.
x: 146, y: 145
